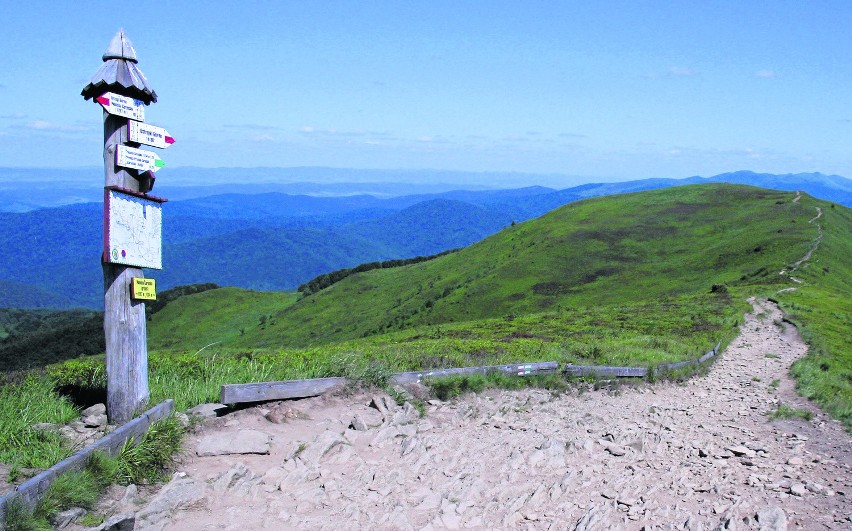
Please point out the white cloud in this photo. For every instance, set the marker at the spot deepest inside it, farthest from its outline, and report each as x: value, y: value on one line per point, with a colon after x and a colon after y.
x: 262, y: 138
x: 43, y: 125
x: 682, y: 71
x: 354, y: 134
x: 765, y: 74
x: 253, y: 127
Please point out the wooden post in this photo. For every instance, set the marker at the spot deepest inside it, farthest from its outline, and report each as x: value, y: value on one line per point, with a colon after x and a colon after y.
x: 124, y: 318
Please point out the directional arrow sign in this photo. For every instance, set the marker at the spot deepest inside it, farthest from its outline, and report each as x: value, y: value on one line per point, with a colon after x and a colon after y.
x: 122, y: 106
x: 137, y: 159
x: 148, y: 134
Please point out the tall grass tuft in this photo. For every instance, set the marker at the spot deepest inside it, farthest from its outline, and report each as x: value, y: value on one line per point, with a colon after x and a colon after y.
x: 145, y: 462
x: 149, y: 460
x: 31, y: 402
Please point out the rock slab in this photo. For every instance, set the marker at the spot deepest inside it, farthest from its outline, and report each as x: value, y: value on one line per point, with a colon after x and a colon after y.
x: 244, y: 442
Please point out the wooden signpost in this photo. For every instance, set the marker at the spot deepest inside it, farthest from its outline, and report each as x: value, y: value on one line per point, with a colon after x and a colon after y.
x: 137, y: 159
x: 148, y: 134
x: 119, y: 105
x: 132, y: 222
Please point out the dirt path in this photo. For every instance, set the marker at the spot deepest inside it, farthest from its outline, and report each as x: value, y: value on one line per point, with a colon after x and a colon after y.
x: 668, y: 456
x: 795, y: 266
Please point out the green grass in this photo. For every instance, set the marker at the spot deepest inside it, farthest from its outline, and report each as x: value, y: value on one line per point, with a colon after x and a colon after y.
x: 645, y: 334
x: 73, y: 489
x: 144, y: 461
x: 617, y: 250
x: 785, y: 412
x: 19, y: 518
x: 448, y: 387
x: 22, y: 405
x: 821, y: 309
x: 219, y: 315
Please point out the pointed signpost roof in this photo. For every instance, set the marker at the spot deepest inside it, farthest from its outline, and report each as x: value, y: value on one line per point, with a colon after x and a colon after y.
x: 120, y: 73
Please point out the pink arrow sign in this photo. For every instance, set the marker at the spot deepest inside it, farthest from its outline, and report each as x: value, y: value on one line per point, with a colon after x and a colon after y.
x: 148, y: 134
x: 122, y: 106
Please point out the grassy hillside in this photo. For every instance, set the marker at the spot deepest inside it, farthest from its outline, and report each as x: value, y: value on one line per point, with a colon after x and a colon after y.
x: 265, y: 259
x: 35, y: 338
x: 218, y: 315
x: 432, y: 226
x: 619, y: 250
x: 821, y: 308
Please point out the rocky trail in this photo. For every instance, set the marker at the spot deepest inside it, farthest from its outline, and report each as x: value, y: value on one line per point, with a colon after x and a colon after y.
x: 699, y: 455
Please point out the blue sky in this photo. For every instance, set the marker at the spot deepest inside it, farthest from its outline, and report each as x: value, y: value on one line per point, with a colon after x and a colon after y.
x: 607, y: 90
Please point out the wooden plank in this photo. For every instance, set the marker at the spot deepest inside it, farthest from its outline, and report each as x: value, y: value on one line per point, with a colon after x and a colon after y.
x: 31, y: 491
x: 673, y: 366
x: 516, y: 369
x: 603, y: 370
x: 259, y: 392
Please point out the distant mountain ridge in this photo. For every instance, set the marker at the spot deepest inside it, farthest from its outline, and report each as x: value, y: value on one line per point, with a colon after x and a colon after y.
x: 26, y: 189
x: 275, y: 241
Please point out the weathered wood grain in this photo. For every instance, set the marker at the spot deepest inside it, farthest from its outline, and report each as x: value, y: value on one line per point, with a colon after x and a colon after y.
x: 259, y: 392
x: 124, y: 319
x: 603, y: 370
x: 516, y: 369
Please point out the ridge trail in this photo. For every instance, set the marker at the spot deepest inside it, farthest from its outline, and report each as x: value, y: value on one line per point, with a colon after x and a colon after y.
x: 667, y: 456
x: 814, y: 246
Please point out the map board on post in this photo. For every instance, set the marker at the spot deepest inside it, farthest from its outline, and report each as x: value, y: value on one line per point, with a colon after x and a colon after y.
x: 133, y: 228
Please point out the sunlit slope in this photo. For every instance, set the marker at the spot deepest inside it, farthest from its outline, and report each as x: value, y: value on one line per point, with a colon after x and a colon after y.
x: 611, y: 250
x: 821, y: 307
x: 212, y: 317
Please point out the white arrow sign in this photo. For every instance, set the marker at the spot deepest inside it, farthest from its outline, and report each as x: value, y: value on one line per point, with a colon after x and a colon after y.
x: 137, y: 159
x: 148, y: 134
x: 122, y: 106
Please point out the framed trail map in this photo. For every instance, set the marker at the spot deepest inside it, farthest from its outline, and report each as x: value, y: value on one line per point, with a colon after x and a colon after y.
x: 133, y: 229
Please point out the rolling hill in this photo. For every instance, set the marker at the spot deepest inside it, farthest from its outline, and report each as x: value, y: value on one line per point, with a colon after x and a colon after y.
x: 266, y: 242
x: 628, y: 248
x: 625, y: 279
x: 47, y: 251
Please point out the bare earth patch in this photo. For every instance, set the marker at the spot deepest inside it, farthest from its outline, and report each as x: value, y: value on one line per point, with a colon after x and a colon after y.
x: 694, y: 456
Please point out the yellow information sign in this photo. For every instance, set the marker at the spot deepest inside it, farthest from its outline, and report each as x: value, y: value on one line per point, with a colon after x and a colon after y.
x: 144, y: 289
